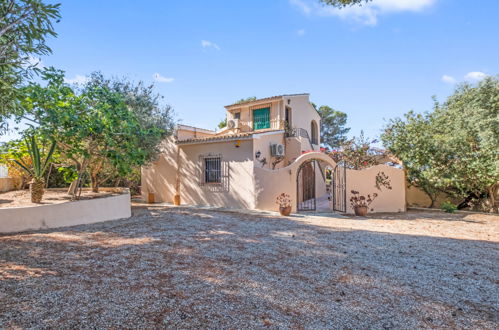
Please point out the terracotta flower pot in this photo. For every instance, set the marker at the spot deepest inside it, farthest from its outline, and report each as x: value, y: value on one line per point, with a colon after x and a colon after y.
x: 360, y: 211
x: 285, y: 211
x: 176, y: 200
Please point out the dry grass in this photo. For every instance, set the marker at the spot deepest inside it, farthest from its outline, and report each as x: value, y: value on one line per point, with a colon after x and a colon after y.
x: 192, y: 268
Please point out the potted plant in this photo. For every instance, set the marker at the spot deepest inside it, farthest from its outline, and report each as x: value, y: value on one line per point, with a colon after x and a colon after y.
x: 360, y: 203
x: 284, y: 202
x: 37, y: 168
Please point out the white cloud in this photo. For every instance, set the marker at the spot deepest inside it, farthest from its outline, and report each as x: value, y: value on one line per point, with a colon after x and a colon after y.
x: 475, y: 75
x: 448, y: 79
x: 209, y: 44
x: 367, y: 14
x: 78, y: 80
x: 300, y: 32
x: 159, y: 78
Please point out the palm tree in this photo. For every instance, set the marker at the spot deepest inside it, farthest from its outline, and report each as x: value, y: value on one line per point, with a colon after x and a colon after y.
x: 37, y: 168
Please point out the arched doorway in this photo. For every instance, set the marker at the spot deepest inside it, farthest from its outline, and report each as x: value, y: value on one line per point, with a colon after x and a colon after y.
x: 321, y: 186
x: 314, y: 132
x: 305, y: 185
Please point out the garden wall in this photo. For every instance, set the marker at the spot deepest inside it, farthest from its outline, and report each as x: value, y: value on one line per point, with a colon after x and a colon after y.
x: 7, y: 184
x: 17, y: 219
x: 269, y: 184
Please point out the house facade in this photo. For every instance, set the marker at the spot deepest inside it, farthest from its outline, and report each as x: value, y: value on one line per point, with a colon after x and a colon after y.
x: 269, y: 146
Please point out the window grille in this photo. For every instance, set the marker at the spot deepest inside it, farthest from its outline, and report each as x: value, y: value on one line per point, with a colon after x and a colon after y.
x: 212, y: 170
x: 214, y: 173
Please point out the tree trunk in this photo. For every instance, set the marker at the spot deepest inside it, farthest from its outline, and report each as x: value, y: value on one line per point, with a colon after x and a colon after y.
x: 36, y: 188
x: 72, y: 187
x: 95, y: 183
x: 492, y: 197
x: 76, y: 184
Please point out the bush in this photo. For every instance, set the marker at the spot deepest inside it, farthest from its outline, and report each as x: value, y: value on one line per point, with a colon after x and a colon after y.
x: 448, y: 207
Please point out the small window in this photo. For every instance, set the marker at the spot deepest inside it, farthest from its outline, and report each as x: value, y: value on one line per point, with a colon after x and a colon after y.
x: 212, y: 170
x: 237, y: 115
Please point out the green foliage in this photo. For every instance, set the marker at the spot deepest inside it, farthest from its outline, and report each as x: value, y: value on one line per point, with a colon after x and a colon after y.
x: 39, y: 164
x: 357, y: 153
x: 333, y: 130
x: 222, y: 123
x: 24, y: 27
x: 244, y: 100
x: 108, y: 126
x: 454, y: 148
x: 448, y: 207
x: 69, y: 173
x: 343, y: 3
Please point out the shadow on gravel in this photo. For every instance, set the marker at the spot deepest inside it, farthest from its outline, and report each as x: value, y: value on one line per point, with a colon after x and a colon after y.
x: 198, y: 268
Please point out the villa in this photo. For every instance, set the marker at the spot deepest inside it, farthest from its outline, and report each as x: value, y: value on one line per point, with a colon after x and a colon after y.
x: 269, y: 146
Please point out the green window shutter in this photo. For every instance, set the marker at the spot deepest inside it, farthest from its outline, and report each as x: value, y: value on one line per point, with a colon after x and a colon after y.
x: 261, y: 118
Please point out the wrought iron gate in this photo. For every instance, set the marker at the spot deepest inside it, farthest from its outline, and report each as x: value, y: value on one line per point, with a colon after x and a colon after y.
x: 339, y: 177
x: 305, y: 185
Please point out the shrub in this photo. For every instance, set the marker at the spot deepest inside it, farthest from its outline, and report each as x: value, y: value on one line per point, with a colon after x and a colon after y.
x: 448, y: 207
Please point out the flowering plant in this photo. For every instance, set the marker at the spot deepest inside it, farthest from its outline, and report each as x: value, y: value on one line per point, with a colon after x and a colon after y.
x: 283, y: 200
x: 358, y: 200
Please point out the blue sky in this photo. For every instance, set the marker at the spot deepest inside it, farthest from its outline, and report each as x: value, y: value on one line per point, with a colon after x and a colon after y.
x: 374, y: 63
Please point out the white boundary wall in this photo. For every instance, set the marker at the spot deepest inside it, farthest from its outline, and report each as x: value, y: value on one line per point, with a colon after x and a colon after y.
x: 18, y: 219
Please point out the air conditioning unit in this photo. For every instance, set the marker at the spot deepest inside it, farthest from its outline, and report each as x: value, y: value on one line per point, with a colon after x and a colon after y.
x: 233, y: 123
x: 277, y: 150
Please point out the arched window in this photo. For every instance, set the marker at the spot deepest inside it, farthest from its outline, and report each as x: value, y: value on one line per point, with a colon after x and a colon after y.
x: 315, y: 132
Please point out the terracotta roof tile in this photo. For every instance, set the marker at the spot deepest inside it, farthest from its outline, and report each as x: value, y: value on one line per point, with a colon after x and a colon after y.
x: 265, y: 99
x: 225, y: 137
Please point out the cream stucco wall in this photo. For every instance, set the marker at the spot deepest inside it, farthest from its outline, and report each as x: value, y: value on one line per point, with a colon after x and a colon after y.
x: 7, y: 184
x: 246, y: 114
x: 160, y: 177
x: 269, y: 184
x: 17, y: 219
x: 364, y: 181
x: 262, y: 142
x: 302, y: 114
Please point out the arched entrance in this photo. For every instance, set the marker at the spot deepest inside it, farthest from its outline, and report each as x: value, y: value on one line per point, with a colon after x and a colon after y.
x: 306, y: 186
x: 320, y: 186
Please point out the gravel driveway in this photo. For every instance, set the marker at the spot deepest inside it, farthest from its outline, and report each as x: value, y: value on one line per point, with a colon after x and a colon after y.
x: 193, y: 268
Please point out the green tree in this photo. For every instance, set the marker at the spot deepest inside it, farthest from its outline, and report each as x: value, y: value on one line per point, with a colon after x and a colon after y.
x: 24, y: 27
x: 343, y: 3
x: 244, y: 100
x: 454, y: 148
x: 358, y: 153
x: 333, y: 130
x: 98, y: 128
x: 222, y: 123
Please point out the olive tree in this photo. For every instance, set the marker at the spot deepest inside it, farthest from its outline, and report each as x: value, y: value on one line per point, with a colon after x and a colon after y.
x: 24, y: 28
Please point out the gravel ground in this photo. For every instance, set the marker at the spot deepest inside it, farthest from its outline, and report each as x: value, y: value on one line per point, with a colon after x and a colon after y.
x: 188, y: 268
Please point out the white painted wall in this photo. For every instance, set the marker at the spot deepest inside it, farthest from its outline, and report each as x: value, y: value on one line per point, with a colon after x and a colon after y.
x: 17, y: 219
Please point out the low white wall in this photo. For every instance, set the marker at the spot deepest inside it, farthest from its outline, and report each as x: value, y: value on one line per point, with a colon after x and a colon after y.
x: 17, y: 219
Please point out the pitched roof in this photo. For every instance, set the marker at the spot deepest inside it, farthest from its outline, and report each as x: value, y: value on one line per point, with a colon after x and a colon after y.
x: 225, y: 137
x: 270, y: 98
